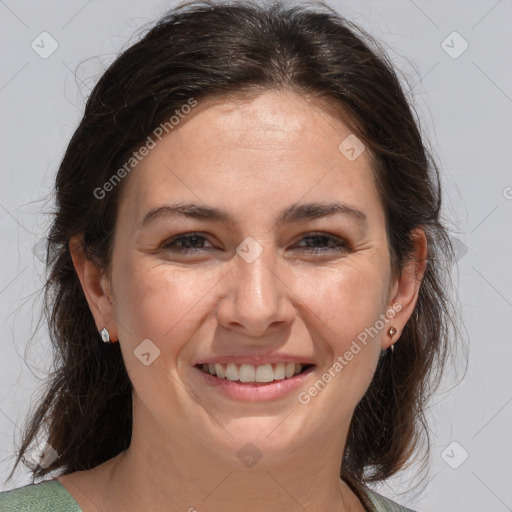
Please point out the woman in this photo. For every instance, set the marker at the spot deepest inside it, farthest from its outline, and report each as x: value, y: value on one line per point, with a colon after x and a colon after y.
x: 247, y: 294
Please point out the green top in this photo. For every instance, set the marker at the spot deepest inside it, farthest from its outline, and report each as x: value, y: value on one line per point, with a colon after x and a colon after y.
x: 52, y: 496
x: 49, y: 496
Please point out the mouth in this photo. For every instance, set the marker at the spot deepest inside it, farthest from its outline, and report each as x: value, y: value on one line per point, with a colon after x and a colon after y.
x: 252, y: 374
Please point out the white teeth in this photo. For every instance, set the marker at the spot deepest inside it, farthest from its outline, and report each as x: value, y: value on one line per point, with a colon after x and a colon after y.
x: 250, y: 373
x: 246, y: 373
x: 264, y: 373
x: 289, y: 370
x: 231, y: 372
x: 279, y: 371
x: 219, y: 370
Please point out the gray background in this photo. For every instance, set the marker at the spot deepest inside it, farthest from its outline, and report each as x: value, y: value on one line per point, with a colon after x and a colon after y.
x: 465, y: 105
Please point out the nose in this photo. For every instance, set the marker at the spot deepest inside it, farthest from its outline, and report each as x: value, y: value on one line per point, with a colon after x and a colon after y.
x: 257, y: 299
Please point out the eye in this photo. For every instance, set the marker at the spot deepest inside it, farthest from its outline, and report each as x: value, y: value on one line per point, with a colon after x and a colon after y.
x: 188, y: 243
x: 319, y: 243
x: 315, y: 243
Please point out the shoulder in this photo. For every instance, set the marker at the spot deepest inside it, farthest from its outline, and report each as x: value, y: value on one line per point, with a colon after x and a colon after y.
x: 383, y: 504
x: 48, y: 496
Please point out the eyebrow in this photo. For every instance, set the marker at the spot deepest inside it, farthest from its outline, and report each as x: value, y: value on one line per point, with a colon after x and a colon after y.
x: 293, y: 214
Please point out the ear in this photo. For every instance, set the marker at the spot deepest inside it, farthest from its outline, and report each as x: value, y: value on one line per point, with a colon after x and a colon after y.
x: 406, y: 288
x: 96, y: 288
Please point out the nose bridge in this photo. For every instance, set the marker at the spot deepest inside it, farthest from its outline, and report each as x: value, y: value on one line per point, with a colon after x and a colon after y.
x: 256, y: 277
x: 257, y: 298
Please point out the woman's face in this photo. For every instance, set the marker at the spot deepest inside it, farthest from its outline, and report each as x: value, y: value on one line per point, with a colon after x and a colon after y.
x: 251, y: 285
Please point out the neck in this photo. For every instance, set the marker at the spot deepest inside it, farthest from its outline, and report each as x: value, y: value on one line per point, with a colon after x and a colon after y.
x: 183, y: 475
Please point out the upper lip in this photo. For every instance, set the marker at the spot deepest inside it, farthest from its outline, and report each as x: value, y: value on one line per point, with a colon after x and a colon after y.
x: 255, y: 360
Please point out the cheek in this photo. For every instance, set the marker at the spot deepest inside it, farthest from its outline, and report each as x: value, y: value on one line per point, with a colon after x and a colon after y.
x: 346, y: 299
x: 345, y: 308
x: 160, y: 303
x: 165, y: 306
x: 170, y: 306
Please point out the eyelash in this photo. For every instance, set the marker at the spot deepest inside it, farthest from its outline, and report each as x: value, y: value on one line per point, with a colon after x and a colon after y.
x: 340, y: 246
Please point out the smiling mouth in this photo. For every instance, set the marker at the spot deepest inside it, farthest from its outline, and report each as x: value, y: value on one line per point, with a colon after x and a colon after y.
x: 248, y: 373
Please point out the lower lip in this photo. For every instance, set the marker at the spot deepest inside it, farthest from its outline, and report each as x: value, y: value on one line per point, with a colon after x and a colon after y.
x: 256, y: 391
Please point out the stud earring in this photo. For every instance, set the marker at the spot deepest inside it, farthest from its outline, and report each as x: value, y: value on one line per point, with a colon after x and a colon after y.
x: 392, y: 331
x: 105, y: 335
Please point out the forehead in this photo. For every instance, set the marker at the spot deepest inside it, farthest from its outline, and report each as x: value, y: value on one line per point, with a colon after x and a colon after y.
x: 260, y: 151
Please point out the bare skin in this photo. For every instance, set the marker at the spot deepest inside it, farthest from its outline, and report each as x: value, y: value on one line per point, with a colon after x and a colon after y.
x: 253, y: 158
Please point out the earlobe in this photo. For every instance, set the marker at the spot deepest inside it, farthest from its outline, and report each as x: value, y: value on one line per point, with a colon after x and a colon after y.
x: 407, y: 287
x: 95, y: 287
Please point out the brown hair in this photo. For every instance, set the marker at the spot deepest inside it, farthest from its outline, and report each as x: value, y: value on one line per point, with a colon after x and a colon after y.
x: 200, y: 50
